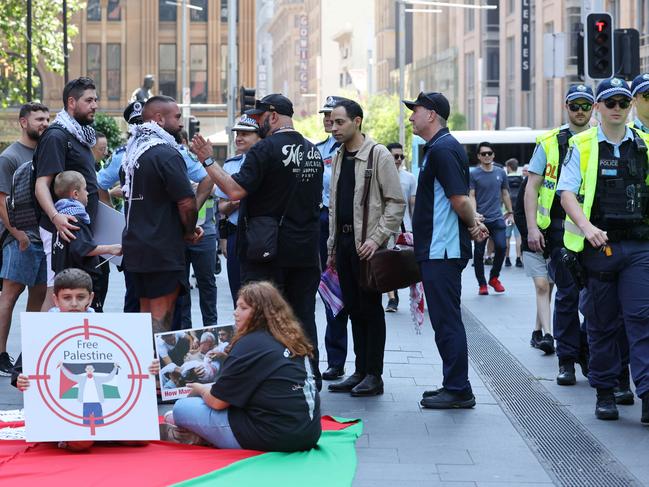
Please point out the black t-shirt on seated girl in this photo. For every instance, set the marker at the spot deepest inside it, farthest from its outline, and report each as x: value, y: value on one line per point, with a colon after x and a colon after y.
x: 274, y: 403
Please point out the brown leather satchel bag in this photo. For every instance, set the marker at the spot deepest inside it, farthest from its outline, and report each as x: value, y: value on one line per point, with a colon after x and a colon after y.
x: 389, y: 268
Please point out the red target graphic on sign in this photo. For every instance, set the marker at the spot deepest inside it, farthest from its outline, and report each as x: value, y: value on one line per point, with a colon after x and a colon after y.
x: 46, y: 368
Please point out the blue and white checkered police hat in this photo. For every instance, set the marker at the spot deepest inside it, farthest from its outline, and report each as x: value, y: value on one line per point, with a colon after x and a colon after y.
x: 577, y: 92
x: 246, y: 124
x: 611, y: 87
x: 640, y: 84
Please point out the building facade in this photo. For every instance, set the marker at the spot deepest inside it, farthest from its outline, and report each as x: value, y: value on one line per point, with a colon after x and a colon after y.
x: 490, y: 62
x: 122, y: 41
x: 317, y: 52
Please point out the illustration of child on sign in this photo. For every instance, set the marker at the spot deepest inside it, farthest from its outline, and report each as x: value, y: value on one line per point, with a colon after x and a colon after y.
x: 90, y: 390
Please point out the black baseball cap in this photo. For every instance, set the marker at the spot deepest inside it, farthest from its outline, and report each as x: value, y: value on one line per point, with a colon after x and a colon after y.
x: 432, y: 101
x: 133, y: 112
x: 274, y: 102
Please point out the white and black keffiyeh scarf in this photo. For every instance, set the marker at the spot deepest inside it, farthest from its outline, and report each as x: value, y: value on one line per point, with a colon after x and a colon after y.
x: 85, y: 134
x: 143, y: 137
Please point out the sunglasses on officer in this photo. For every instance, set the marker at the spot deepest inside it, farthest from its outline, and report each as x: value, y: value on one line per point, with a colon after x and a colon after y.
x: 585, y: 107
x: 399, y: 156
x: 645, y: 95
x: 623, y: 103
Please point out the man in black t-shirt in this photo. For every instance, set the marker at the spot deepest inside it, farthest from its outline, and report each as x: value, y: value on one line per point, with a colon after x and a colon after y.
x: 66, y: 146
x: 281, y: 178
x: 161, y: 211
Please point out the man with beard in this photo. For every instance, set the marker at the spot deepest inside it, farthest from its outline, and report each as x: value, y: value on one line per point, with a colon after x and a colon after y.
x: 161, y: 211
x: 66, y: 146
x: 23, y: 259
x: 280, y: 181
x: 545, y: 227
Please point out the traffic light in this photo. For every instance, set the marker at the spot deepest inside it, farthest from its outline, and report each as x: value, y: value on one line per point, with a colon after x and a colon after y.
x: 194, y: 126
x: 627, y: 53
x: 246, y: 98
x: 599, y: 45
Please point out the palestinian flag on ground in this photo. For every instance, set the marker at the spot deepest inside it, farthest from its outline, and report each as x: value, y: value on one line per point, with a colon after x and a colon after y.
x: 68, y: 389
x: 331, y: 463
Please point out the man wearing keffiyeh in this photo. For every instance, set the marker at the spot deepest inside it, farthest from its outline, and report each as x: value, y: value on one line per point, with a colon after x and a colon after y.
x: 161, y: 211
x: 66, y: 146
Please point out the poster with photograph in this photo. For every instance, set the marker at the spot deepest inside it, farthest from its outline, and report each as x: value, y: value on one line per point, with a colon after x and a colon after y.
x: 88, y: 376
x: 193, y: 355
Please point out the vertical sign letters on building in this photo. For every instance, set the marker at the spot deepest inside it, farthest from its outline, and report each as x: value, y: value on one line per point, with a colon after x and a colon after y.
x: 525, y: 45
x: 303, y: 50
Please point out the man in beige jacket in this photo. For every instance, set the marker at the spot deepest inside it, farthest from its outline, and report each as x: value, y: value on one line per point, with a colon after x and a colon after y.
x: 345, y: 248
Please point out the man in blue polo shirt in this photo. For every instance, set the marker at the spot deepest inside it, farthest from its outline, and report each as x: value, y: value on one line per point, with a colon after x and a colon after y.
x: 443, y: 223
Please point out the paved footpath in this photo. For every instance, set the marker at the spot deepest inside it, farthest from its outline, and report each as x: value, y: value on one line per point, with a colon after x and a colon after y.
x: 524, y: 431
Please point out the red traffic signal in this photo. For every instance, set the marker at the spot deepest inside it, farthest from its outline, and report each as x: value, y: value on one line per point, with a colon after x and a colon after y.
x: 599, y: 45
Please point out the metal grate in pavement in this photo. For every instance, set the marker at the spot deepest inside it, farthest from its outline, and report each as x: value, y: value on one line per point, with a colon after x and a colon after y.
x: 568, y: 451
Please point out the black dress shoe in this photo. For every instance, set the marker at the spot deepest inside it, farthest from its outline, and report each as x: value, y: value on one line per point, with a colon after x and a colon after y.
x: 446, y: 399
x: 566, y: 375
x: 348, y: 384
x: 605, y: 408
x: 645, y: 409
x: 371, y: 385
x: 333, y: 373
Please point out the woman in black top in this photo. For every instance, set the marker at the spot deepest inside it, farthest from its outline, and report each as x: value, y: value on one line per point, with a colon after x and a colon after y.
x: 265, y: 398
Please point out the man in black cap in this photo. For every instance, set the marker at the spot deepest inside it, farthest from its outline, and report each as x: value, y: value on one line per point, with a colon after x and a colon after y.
x: 336, y: 334
x: 280, y: 185
x: 443, y: 223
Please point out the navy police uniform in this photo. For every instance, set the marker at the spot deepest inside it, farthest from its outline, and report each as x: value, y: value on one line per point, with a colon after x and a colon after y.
x: 611, y: 183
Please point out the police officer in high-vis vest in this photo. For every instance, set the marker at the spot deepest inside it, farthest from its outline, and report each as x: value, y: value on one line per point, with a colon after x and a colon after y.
x: 336, y: 332
x: 604, y: 188
x: 545, y: 218
x: 640, y: 92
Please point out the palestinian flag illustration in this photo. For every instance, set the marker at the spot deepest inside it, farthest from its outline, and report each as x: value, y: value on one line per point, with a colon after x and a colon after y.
x: 69, y: 389
x: 331, y: 463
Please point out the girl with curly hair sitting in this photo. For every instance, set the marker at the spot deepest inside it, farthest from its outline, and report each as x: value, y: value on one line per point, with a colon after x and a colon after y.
x: 265, y: 398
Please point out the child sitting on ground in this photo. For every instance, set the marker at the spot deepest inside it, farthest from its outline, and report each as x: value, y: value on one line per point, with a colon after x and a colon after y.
x: 81, y: 252
x: 73, y: 294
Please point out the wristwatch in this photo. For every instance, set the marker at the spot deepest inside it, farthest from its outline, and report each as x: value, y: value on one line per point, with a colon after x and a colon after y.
x: 208, y: 162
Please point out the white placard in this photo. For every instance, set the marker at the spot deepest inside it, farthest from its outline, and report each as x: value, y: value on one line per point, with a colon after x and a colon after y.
x: 89, y: 376
x: 186, y: 356
x: 108, y: 229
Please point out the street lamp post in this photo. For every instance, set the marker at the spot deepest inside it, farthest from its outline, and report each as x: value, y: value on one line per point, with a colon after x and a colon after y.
x: 29, y: 50
x: 65, y: 41
x: 232, y: 71
x: 402, y: 70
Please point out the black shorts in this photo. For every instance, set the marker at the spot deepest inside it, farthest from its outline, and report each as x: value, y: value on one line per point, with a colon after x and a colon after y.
x: 152, y: 285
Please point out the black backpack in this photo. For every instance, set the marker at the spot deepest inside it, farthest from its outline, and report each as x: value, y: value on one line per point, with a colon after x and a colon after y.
x: 22, y: 208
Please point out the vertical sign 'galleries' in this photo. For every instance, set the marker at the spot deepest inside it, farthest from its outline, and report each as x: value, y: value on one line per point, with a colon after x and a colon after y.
x: 303, y: 49
x: 525, y: 45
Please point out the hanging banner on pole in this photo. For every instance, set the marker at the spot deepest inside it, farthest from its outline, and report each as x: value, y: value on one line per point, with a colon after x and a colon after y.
x: 525, y: 46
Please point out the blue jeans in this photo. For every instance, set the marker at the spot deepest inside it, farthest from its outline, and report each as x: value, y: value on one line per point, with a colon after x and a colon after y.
x: 497, y: 234
x: 210, y: 424
x: 202, y: 256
